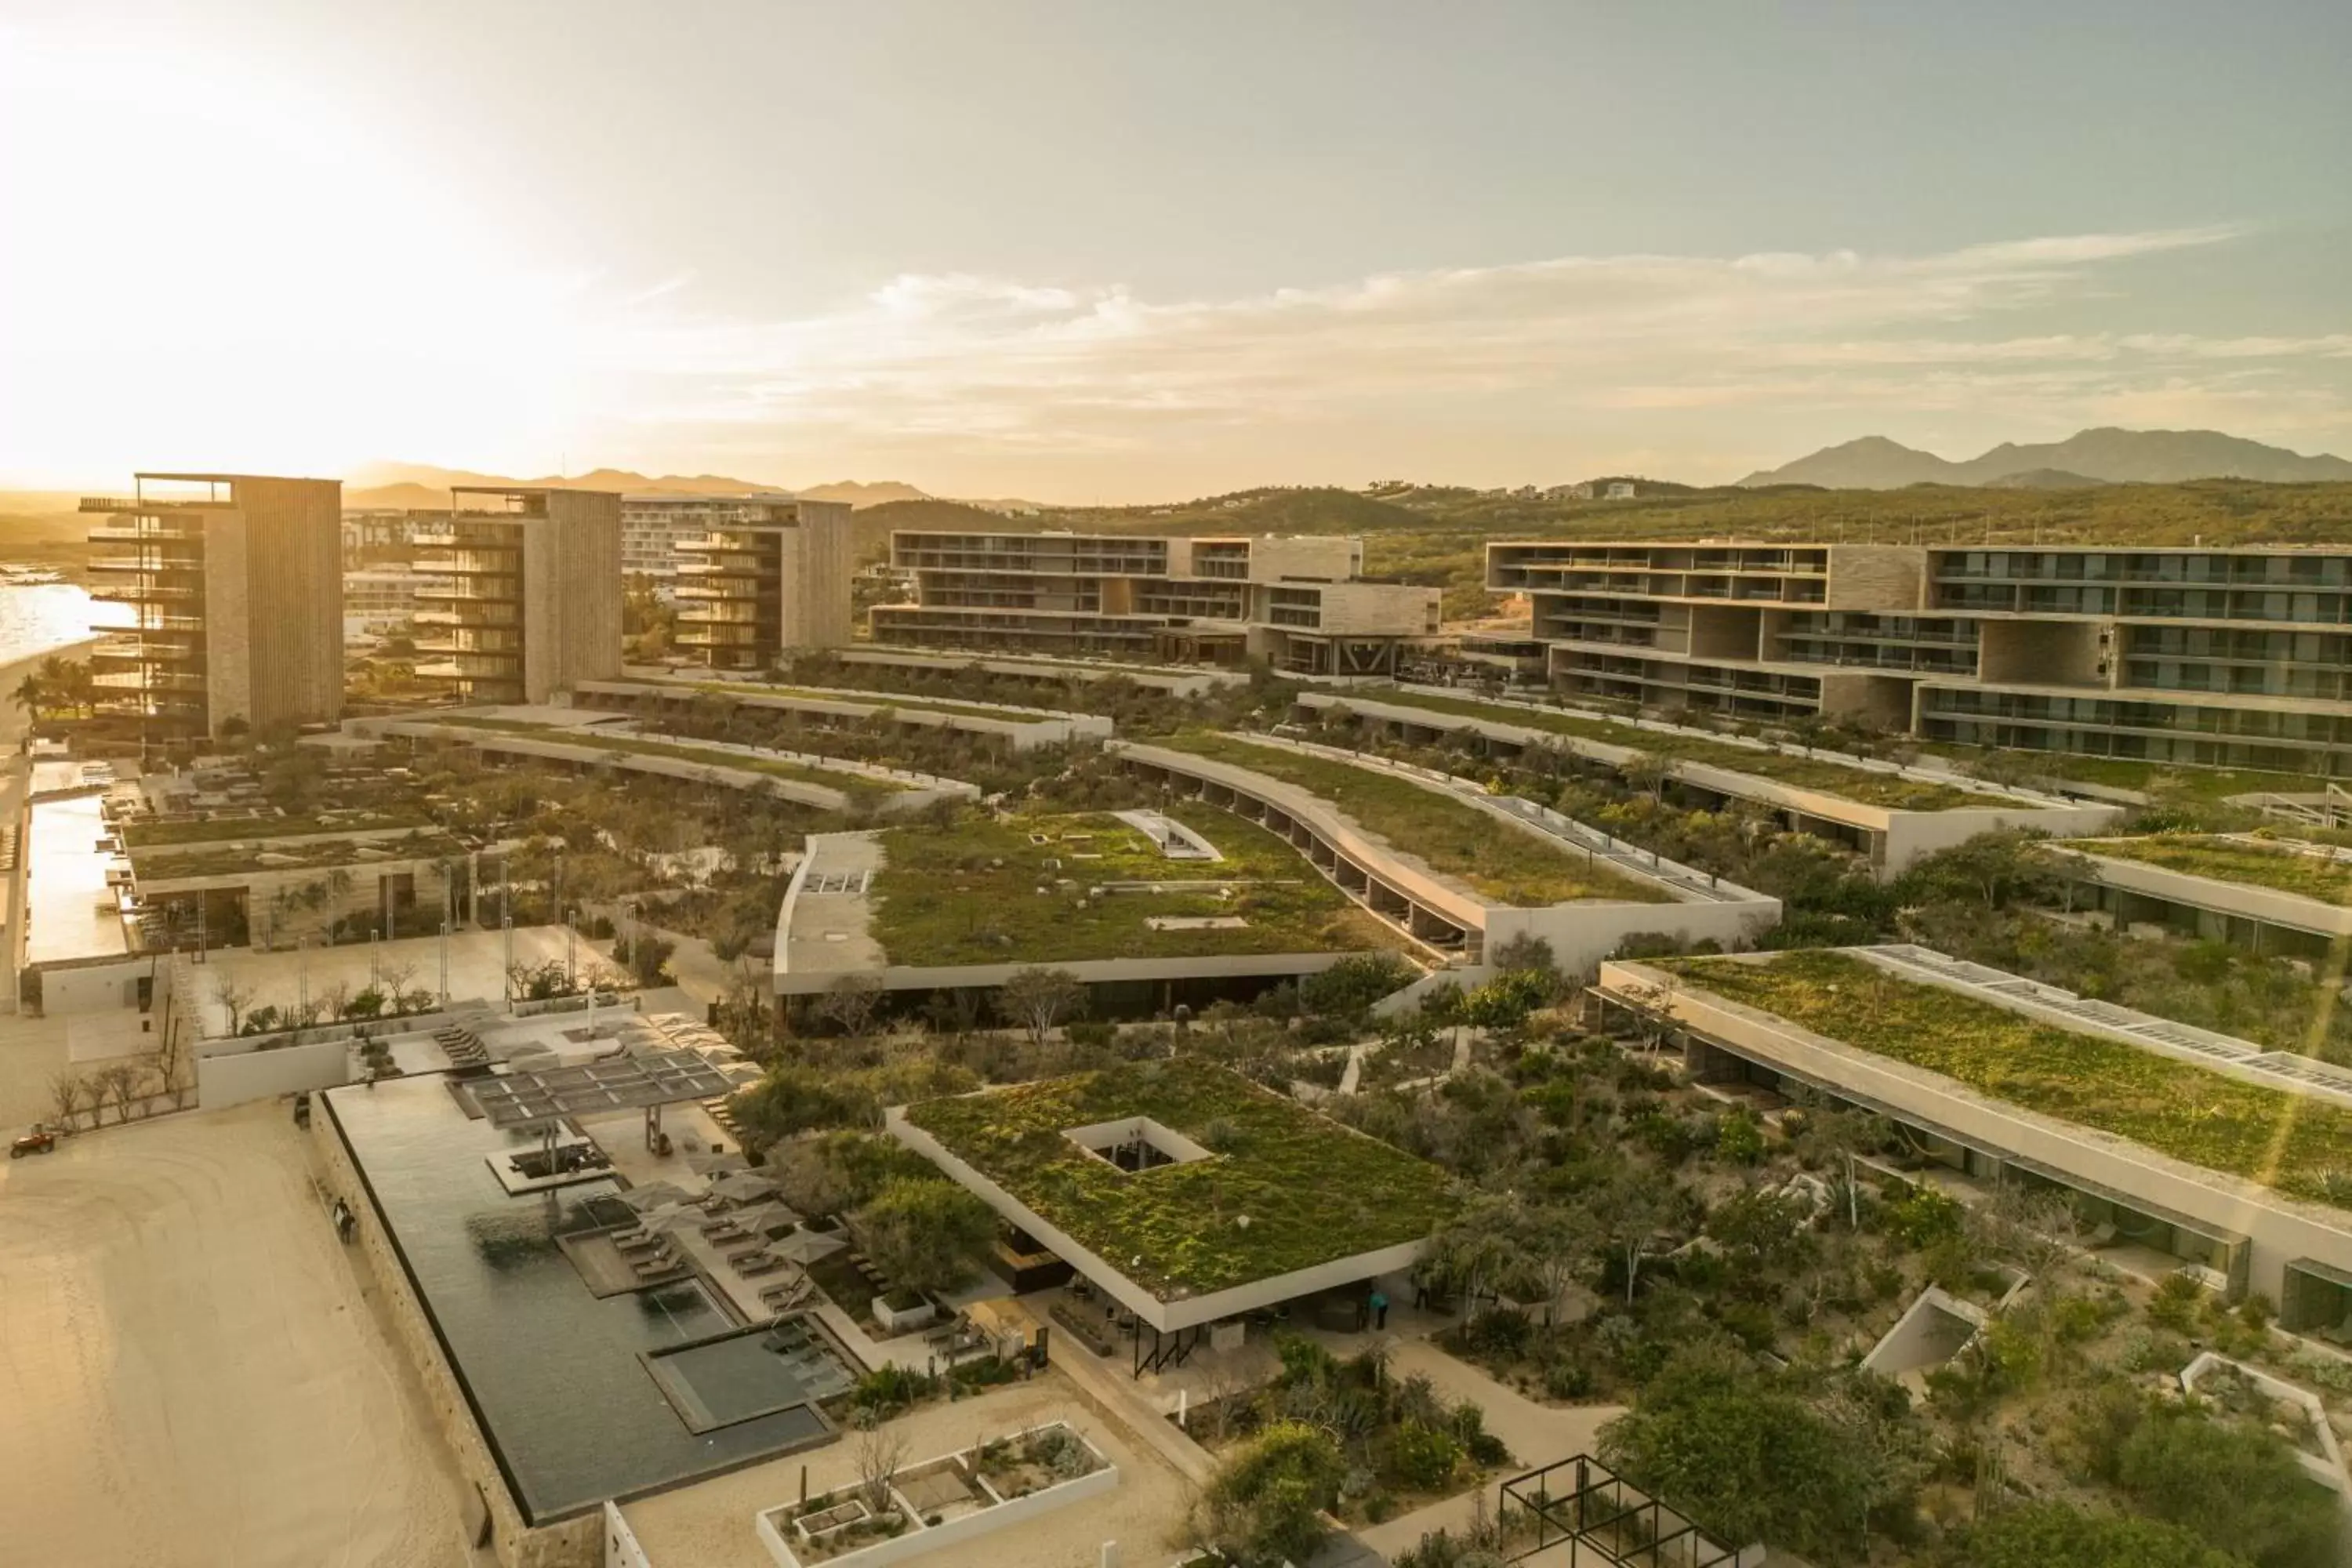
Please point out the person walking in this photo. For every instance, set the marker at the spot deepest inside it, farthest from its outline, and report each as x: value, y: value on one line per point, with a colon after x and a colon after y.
x: 1380, y: 1310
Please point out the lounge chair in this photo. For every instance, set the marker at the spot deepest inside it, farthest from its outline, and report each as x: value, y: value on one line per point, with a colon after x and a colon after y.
x: 766, y: 1265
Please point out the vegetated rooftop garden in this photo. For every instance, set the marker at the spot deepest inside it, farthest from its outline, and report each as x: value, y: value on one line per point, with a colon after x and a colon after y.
x: 2281, y: 867
x: 866, y: 696
x: 2299, y: 1145
x: 1509, y: 865
x: 1283, y: 1189
x: 597, y: 737
x: 139, y: 835
x: 181, y: 862
x: 1864, y: 786
x: 968, y: 893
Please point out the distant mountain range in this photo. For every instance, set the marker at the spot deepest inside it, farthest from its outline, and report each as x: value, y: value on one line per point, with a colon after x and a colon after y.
x: 2088, y: 457
x: 406, y: 485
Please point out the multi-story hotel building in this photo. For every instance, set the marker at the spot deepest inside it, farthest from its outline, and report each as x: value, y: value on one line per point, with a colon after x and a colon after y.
x: 236, y: 581
x: 2236, y: 658
x: 654, y: 527
x: 777, y: 578
x: 523, y: 598
x: 1295, y: 602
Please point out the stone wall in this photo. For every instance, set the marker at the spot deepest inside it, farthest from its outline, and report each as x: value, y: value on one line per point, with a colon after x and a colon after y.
x: 574, y: 1543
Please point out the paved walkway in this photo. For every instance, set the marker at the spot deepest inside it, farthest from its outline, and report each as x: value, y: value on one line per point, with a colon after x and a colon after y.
x: 1536, y: 1434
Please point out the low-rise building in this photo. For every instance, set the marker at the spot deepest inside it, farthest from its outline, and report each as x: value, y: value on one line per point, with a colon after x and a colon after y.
x: 1297, y: 603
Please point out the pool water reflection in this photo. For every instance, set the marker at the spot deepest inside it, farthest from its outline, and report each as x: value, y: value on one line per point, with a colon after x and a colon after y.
x: 555, y: 1373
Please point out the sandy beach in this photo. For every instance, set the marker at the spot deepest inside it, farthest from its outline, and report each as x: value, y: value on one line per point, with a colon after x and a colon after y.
x: 194, y: 1374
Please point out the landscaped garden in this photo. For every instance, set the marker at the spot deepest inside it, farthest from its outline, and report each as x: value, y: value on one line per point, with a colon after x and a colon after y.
x: 2295, y: 1143
x: 147, y: 834
x: 969, y: 892
x: 595, y: 739
x: 1509, y: 865
x: 2280, y: 867
x: 1864, y: 786
x: 1283, y: 1188
x: 868, y: 697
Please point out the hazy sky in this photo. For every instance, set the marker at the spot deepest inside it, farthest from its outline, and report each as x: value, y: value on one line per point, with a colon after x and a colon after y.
x: 1130, y: 251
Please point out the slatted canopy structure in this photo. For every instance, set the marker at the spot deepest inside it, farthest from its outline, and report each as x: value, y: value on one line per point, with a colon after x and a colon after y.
x: 544, y: 1099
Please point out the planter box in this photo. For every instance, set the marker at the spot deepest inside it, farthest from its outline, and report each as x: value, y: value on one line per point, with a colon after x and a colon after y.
x: 779, y: 1531
x: 903, y: 1319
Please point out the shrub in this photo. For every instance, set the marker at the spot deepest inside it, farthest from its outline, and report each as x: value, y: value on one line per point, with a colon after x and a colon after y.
x: 1422, y: 1457
x: 1924, y: 1216
x: 2048, y: 1534
x: 2237, y: 1486
x: 1263, y: 1504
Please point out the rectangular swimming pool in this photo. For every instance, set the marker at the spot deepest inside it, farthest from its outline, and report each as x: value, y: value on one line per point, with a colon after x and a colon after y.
x: 555, y: 1375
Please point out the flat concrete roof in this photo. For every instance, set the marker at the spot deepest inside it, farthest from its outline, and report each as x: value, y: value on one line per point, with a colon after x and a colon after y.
x: 72, y: 915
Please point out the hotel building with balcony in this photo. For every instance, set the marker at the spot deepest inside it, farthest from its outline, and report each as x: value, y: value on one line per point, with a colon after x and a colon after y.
x: 523, y: 593
x: 1297, y: 603
x: 774, y: 577
x: 656, y: 525
x: 2232, y: 658
x: 235, y: 586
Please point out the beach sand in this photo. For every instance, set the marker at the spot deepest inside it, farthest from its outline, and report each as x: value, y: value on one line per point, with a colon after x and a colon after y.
x: 195, y: 1373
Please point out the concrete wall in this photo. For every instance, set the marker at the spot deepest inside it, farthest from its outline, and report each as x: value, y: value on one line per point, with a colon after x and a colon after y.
x: 294, y: 588
x: 1187, y: 682
x: 817, y: 578
x: 1724, y: 631
x: 1025, y: 729
x: 228, y: 626
x: 1886, y: 578
x: 621, y: 1548
x: 574, y: 1543
x: 2280, y: 1229
x: 571, y: 588
x: 1378, y: 609
x: 107, y: 987
x: 1332, y: 558
x: 233, y: 1078
x: 2041, y: 653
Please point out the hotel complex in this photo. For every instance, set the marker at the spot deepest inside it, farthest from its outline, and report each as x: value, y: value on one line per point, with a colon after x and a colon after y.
x: 526, y: 596
x: 2216, y: 658
x: 654, y: 526
x: 236, y: 584
x: 1297, y: 603
x: 773, y: 577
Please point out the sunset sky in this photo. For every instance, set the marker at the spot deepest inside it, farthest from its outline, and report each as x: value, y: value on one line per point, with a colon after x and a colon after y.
x: 1130, y: 252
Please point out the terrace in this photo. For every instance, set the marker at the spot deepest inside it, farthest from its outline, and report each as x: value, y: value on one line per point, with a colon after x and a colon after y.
x: 2272, y: 894
x: 1282, y: 1204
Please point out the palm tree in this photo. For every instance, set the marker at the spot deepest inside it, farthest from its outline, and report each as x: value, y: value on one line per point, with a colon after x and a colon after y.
x: 30, y: 694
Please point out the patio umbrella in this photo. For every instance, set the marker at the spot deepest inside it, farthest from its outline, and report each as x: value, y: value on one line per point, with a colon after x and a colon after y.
x: 806, y: 1247
x: 708, y: 1164
x: 656, y: 1194
x: 744, y: 1187
x: 765, y: 1219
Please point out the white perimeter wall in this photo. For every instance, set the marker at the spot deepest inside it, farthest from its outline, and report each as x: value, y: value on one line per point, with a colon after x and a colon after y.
x: 233, y: 1079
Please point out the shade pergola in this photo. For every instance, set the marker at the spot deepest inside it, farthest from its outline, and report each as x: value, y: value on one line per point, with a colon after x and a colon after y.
x: 544, y: 1099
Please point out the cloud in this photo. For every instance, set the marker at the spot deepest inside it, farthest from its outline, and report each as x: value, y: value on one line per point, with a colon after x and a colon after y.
x: 980, y: 365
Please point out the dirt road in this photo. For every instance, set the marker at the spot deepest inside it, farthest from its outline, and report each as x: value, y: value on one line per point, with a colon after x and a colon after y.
x: 190, y: 1373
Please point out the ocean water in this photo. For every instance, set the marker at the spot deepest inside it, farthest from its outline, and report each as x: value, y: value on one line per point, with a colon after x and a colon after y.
x: 38, y: 616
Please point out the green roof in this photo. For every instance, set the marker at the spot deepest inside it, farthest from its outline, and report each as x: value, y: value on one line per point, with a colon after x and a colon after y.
x: 2299, y: 1145
x: 2280, y: 867
x: 1824, y: 775
x: 1311, y: 1191
x: 968, y: 893
x: 1514, y: 866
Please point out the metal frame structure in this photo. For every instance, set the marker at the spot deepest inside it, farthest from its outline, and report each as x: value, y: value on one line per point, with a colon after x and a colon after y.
x: 1601, y: 1522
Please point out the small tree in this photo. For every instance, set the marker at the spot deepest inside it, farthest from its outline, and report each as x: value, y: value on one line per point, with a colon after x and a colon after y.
x: 851, y: 1001
x: 117, y: 1082
x: 922, y: 1233
x: 1649, y: 772
x: 67, y: 1093
x: 1038, y: 999
x: 879, y: 1453
x: 233, y: 997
